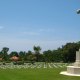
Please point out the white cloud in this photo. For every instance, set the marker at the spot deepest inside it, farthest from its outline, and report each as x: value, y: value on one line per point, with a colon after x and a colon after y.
x: 1, y: 27
x: 36, y: 32
x: 46, y: 30
x: 31, y: 33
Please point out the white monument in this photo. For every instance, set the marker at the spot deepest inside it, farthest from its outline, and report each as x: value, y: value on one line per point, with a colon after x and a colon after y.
x: 75, y: 69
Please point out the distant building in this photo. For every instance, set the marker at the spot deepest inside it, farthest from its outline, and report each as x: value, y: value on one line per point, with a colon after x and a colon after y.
x: 14, y: 58
x: 1, y: 59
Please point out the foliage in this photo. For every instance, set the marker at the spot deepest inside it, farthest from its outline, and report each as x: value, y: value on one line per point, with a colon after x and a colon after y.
x: 37, y: 50
x: 14, y: 53
x: 4, y: 53
x: 66, y: 53
x: 22, y: 55
x: 18, y: 63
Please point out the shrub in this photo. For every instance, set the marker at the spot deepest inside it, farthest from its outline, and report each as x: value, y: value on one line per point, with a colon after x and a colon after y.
x: 18, y: 63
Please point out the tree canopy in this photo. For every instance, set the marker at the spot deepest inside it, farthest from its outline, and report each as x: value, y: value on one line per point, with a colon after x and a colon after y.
x: 66, y: 53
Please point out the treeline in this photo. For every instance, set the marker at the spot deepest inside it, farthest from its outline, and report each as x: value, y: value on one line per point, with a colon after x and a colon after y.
x: 66, y: 53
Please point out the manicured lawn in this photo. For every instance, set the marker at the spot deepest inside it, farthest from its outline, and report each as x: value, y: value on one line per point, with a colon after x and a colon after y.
x: 34, y: 74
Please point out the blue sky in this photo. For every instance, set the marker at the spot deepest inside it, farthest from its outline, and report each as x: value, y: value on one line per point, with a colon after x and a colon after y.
x: 47, y: 23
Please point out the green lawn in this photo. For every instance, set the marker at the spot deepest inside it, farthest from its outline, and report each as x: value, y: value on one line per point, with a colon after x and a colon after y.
x: 34, y: 74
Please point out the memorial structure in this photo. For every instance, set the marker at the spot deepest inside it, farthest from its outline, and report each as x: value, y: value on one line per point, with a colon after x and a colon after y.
x: 75, y: 69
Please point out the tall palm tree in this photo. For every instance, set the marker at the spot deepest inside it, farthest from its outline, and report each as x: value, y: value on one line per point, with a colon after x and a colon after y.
x: 37, y: 50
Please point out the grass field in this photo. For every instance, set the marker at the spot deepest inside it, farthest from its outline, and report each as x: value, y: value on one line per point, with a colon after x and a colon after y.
x: 35, y: 74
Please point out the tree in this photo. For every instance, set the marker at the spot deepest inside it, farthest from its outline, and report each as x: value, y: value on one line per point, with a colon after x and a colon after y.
x: 37, y: 50
x: 69, y: 51
x: 27, y: 55
x: 14, y: 53
x: 22, y: 55
x: 48, y: 56
x: 1, y: 55
x: 5, y: 53
x: 78, y: 11
x: 14, y: 56
x: 31, y: 57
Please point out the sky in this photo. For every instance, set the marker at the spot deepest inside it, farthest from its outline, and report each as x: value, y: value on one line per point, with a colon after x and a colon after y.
x: 45, y: 23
